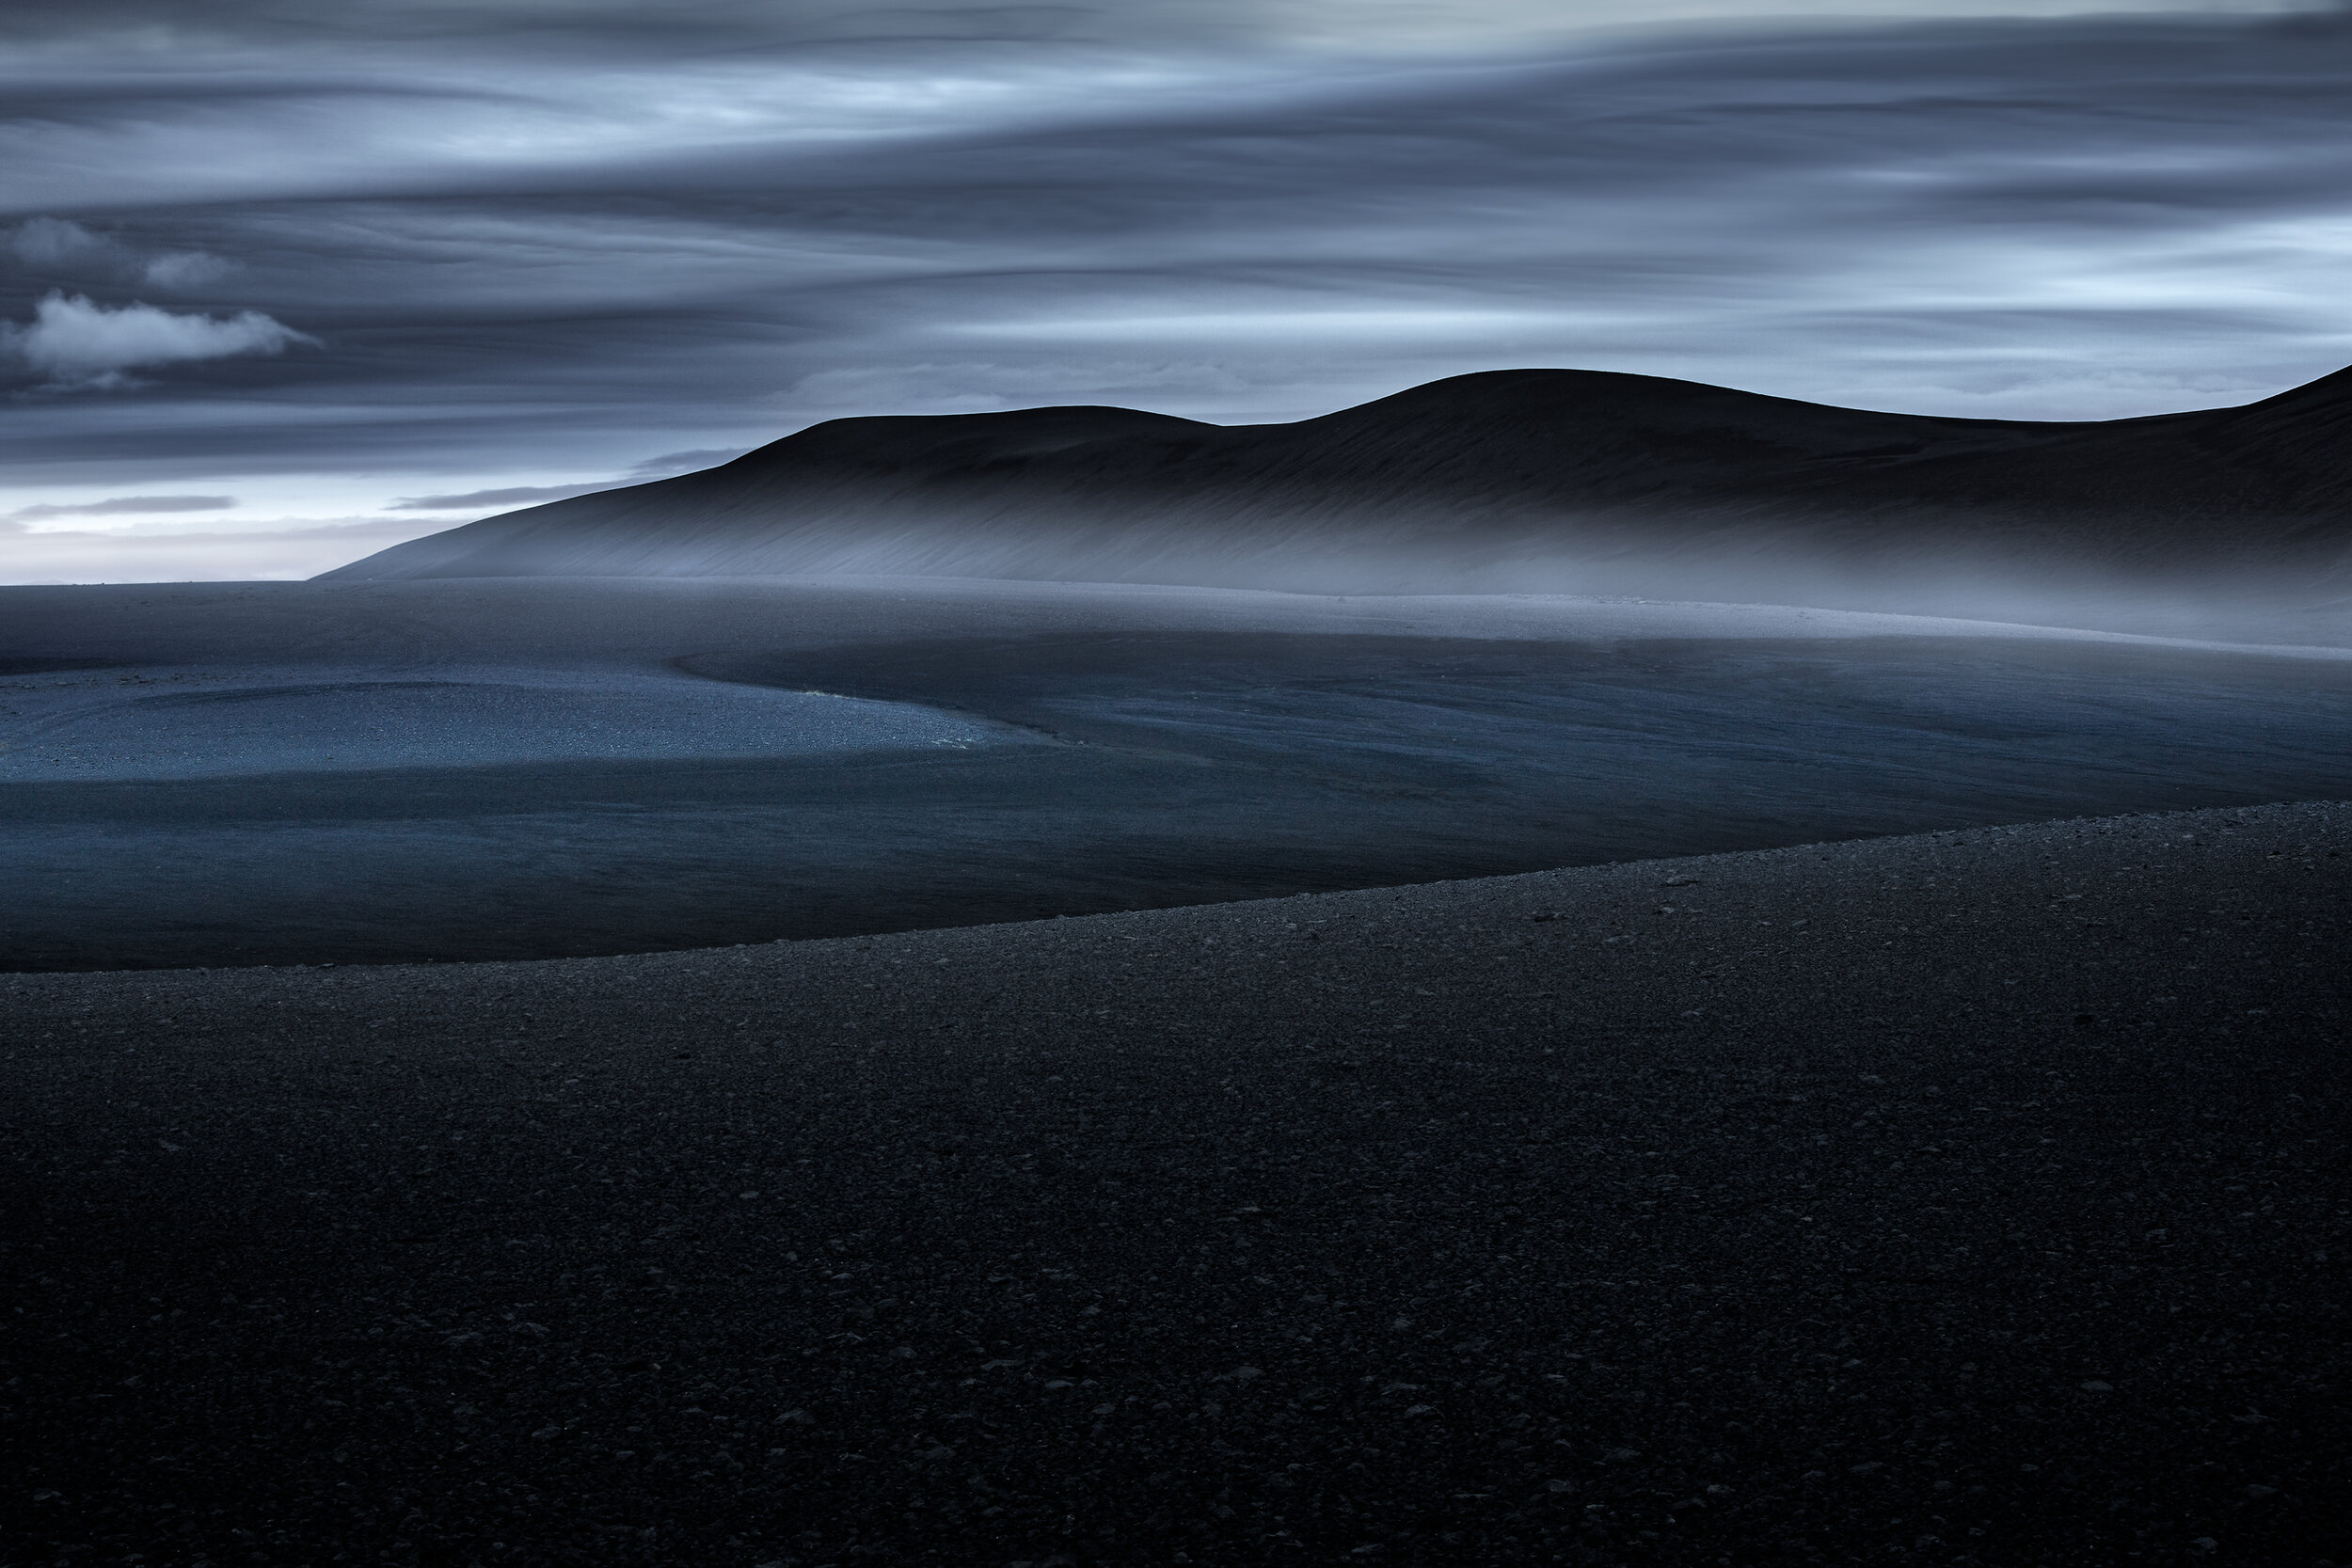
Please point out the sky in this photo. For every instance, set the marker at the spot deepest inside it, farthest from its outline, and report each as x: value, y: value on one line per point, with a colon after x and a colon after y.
x: 283, y: 283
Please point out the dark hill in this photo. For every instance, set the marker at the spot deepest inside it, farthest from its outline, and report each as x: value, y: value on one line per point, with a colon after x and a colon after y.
x: 1530, y: 479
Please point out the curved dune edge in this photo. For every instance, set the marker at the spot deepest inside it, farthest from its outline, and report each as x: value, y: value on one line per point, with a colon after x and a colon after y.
x: 159, y: 866
x: 1984, y: 1180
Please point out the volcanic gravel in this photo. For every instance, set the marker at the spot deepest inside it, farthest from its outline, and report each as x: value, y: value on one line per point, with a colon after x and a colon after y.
x: 1975, y: 1197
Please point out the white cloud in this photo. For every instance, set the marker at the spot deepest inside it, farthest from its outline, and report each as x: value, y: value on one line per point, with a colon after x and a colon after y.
x: 60, y: 245
x: 54, y: 243
x: 186, y: 269
x: 78, y: 342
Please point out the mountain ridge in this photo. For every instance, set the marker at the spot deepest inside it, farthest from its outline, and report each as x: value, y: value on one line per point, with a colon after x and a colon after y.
x: 1578, y: 479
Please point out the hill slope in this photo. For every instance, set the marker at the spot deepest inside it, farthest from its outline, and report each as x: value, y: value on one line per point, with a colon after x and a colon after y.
x: 1538, y: 479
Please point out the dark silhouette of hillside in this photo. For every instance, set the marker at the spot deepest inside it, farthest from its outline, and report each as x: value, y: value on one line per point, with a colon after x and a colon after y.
x: 1541, y: 480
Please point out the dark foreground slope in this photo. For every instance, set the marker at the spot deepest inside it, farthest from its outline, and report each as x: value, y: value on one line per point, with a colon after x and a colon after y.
x: 1976, y: 1198
x: 1551, y: 480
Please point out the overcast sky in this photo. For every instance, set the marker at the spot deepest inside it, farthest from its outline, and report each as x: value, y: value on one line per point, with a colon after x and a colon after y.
x: 278, y: 292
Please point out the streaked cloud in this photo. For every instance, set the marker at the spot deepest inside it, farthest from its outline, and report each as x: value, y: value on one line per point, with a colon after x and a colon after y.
x: 669, y: 464
x: 474, y: 501
x: 532, y: 249
x: 157, y: 25
x: 120, y: 506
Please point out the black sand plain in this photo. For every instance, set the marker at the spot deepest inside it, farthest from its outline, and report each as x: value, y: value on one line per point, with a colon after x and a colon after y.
x: 1974, y: 1195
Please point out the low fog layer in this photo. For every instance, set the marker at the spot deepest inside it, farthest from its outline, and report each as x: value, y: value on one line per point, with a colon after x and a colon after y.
x: 1525, y: 481
x: 520, y: 766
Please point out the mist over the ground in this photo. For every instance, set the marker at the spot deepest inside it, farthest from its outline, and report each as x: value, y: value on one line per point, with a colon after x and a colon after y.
x: 336, y: 264
x: 391, y: 771
x: 2228, y: 522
